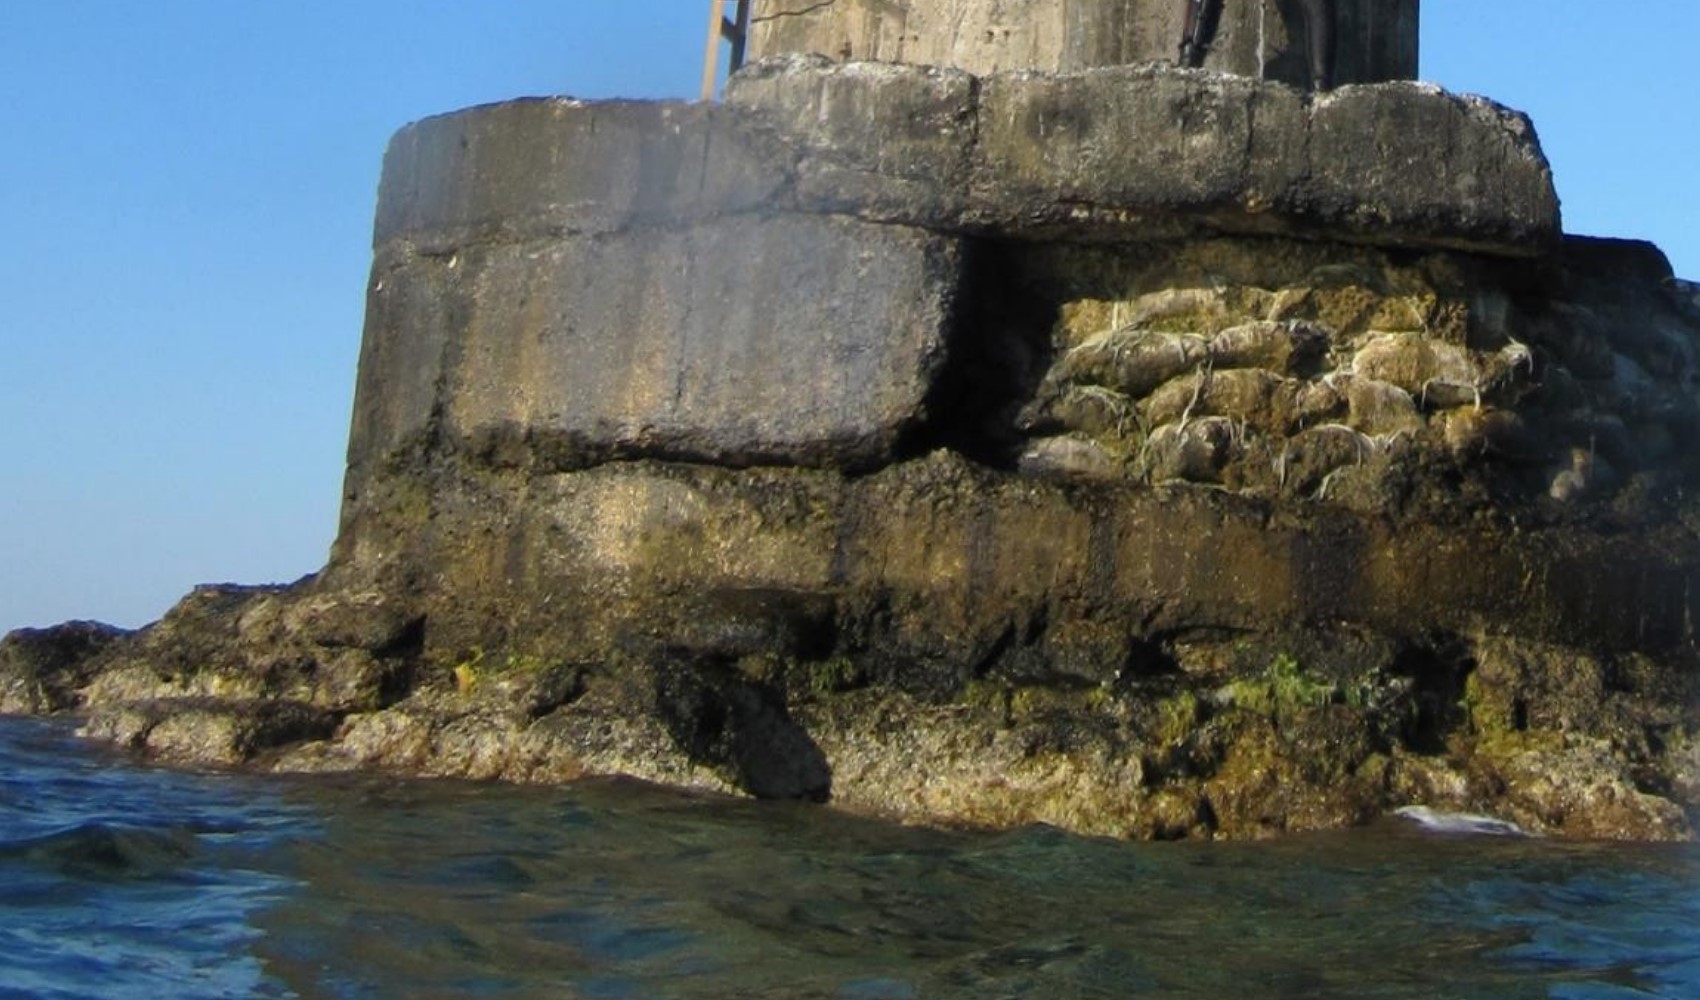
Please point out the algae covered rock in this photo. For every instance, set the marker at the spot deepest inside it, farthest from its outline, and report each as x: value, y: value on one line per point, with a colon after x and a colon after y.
x: 208, y: 730
x: 42, y: 670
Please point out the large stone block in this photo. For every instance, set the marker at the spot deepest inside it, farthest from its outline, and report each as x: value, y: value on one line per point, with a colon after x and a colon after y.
x: 1125, y: 152
x: 787, y: 340
x: 541, y: 167
x: 560, y: 282
x: 411, y: 334
x: 1150, y: 152
x: 882, y: 140
x: 1416, y: 159
x: 1138, y: 150
x: 1376, y: 40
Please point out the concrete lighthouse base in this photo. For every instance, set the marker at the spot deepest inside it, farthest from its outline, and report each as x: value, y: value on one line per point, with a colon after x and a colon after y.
x: 1375, y: 40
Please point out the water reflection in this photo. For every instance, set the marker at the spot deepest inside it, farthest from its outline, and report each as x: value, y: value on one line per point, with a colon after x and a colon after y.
x: 616, y: 890
x: 123, y: 881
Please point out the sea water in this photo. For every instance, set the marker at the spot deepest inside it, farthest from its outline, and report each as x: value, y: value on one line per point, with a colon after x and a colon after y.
x: 119, y: 880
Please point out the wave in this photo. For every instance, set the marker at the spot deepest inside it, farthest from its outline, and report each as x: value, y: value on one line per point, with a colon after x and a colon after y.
x: 103, y: 850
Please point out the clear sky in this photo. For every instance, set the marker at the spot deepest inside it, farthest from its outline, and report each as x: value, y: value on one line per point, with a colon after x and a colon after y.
x: 186, y: 192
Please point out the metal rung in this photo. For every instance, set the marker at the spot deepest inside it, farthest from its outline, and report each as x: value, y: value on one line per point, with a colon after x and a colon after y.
x: 734, y: 29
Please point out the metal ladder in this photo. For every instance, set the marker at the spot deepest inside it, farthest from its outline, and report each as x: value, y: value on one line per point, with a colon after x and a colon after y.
x: 734, y: 29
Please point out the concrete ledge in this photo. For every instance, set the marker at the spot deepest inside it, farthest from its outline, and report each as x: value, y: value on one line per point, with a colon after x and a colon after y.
x: 545, y: 167
x: 1117, y: 154
x: 1151, y: 152
x: 1449, y: 169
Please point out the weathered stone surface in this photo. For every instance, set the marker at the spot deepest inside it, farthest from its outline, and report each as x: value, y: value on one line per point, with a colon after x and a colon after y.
x: 1294, y: 369
x: 882, y: 611
x: 212, y: 731
x: 1414, y: 158
x: 635, y: 298
x: 1140, y: 150
x: 372, y: 622
x: 42, y: 670
x: 1150, y: 152
x: 1115, y: 154
x: 1377, y: 39
x: 881, y: 140
x: 977, y: 35
x: 941, y: 665
x: 791, y: 339
x: 552, y: 166
x: 932, y: 568
x: 549, y: 317
x: 243, y: 646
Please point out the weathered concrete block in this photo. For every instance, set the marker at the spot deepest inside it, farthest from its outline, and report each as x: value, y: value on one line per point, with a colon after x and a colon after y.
x: 1375, y: 40
x: 788, y: 340
x: 542, y: 167
x: 1416, y: 159
x: 1129, y: 151
x: 1151, y: 152
x: 561, y: 282
x: 882, y: 140
x: 410, y: 335
x: 980, y: 36
x: 1147, y: 152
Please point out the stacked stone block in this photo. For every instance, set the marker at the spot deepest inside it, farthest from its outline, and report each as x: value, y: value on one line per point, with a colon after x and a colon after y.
x: 777, y: 281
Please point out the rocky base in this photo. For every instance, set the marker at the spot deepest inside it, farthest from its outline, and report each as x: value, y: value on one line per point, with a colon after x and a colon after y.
x: 1211, y: 737
x: 1113, y: 714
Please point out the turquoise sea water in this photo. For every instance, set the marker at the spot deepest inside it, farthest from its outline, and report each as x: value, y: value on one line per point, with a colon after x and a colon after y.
x: 120, y: 881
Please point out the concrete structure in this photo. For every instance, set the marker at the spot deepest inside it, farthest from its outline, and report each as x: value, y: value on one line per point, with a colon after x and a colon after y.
x: 773, y: 281
x: 1142, y: 451
x: 1265, y: 39
x: 1150, y: 152
x: 635, y: 304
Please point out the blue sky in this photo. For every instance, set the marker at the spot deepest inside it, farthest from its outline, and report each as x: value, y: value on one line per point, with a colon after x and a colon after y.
x: 186, y: 193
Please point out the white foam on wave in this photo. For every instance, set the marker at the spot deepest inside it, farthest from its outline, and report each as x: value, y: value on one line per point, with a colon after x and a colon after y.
x: 1459, y: 823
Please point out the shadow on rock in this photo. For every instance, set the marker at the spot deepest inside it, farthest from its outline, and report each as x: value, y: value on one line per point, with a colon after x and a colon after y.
x: 741, y: 728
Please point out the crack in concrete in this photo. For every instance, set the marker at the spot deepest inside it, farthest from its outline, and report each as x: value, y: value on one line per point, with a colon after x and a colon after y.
x: 776, y: 15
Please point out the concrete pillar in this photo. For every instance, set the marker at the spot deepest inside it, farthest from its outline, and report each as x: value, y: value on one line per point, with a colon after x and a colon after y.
x: 1375, y: 39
